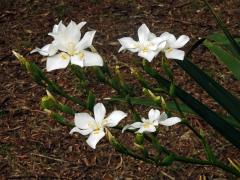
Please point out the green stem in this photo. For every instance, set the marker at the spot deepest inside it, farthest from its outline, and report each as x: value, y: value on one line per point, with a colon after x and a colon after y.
x: 204, y: 162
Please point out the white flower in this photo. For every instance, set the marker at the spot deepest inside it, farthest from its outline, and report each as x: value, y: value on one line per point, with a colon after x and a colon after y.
x: 68, y: 41
x: 148, y: 45
x: 154, y: 119
x: 172, y: 46
x: 86, y: 124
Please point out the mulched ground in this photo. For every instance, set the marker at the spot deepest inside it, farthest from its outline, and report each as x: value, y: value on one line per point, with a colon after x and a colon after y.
x: 32, y: 146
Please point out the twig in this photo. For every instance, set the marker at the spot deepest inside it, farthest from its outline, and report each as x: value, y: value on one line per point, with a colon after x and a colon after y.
x: 9, y: 130
x: 47, y: 157
x: 35, y: 177
x: 183, y: 4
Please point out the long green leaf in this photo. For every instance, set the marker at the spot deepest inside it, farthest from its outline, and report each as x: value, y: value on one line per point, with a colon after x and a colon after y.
x: 221, y: 95
x: 234, y: 44
x: 195, y: 45
x: 171, y: 106
x: 208, y: 115
x: 225, y: 57
x: 222, y: 40
x: 149, y: 102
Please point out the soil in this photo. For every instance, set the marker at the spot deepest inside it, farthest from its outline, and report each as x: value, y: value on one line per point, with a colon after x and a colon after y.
x: 33, y: 146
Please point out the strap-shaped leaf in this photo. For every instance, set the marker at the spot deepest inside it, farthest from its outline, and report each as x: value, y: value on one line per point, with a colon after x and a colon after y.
x: 226, y: 130
x: 195, y: 45
x: 221, y: 39
x: 149, y: 102
x: 235, y: 45
x: 225, y: 57
x: 171, y: 106
x: 221, y: 95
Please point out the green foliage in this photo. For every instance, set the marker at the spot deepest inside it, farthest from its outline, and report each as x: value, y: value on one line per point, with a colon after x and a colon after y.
x: 225, y: 57
x: 90, y: 101
x: 221, y: 95
x: 234, y: 44
x: 218, y: 123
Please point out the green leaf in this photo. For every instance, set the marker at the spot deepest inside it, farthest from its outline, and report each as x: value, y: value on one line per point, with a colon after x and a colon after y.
x: 221, y: 95
x: 220, y: 38
x: 225, y: 57
x: 48, y: 103
x: 194, y: 46
x: 171, y: 106
x: 40, y: 78
x: 207, y: 114
x: 168, y: 160
x: 90, y: 101
x: 235, y: 45
x: 60, y: 119
x: 149, y: 102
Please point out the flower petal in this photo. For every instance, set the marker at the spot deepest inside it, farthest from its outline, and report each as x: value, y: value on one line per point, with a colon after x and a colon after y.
x: 127, y: 43
x: 170, y: 121
x: 59, y: 61
x: 99, y: 112
x: 153, y: 115
x: 84, y: 121
x: 114, y: 118
x: 75, y: 129
x: 81, y: 131
x: 57, y: 28
x: 163, y: 116
x: 135, y: 125
x: 158, y: 40
x: 162, y: 46
x: 170, y: 38
x: 92, y: 59
x: 144, y: 120
x: 149, y: 55
x: 175, y: 54
x: 181, y: 41
x: 85, y: 131
x: 77, y: 60
x: 148, y: 128
x: 72, y: 32
x: 151, y: 36
x: 81, y: 24
x: 86, y: 41
x: 47, y: 50
x: 143, y: 33
x: 94, y: 138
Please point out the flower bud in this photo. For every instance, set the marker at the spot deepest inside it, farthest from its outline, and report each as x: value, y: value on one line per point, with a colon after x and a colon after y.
x: 139, y: 139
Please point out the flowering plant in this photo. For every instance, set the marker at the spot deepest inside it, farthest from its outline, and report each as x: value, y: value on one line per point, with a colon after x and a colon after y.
x: 68, y: 49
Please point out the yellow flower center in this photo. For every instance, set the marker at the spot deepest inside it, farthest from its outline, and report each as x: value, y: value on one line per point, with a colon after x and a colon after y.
x: 81, y: 55
x: 145, y: 49
x: 97, y: 131
x: 169, y: 49
x: 71, y: 48
x: 64, y: 56
x: 146, y: 125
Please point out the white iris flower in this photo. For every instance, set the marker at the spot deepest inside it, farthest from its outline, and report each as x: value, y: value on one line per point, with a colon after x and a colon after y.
x: 67, y: 40
x: 150, y: 124
x: 148, y: 45
x: 86, y: 124
x: 172, y: 46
